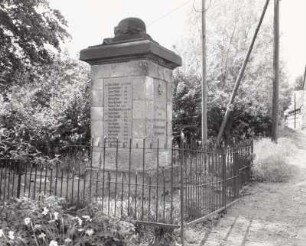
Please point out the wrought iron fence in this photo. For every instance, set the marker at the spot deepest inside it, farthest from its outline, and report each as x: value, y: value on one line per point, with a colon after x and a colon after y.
x: 156, y: 185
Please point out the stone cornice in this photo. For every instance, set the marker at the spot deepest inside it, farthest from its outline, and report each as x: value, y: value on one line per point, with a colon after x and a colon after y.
x: 132, y: 50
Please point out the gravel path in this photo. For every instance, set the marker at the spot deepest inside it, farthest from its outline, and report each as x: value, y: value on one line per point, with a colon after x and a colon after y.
x: 271, y: 214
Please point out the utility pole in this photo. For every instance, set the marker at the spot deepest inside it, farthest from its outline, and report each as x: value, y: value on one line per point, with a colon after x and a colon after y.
x: 275, y: 99
x: 204, y: 81
x: 294, y: 102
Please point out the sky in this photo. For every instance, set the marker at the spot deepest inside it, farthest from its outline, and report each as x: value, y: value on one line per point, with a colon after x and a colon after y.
x: 90, y: 21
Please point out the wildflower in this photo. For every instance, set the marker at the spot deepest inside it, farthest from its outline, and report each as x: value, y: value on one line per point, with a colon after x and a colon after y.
x: 27, y: 221
x: 86, y: 217
x: 89, y: 232
x: 81, y: 229
x: 68, y: 240
x: 46, y: 211
x: 1, y: 233
x: 56, y: 215
x: 79, y: 221
x: 11, y: 235
x: 42, y: 235
x: 36, y: 226
x: 53, y: 243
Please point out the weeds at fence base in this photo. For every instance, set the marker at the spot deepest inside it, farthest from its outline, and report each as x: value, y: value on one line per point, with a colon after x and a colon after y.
x: 271, y: 160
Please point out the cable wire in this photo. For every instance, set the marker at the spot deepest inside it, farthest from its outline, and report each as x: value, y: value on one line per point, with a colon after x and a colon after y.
x: 170, y: 12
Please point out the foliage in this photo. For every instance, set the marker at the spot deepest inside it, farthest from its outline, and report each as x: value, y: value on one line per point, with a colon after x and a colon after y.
x: 26, y: 222
x: 30, y: 33
x: 299, y: 83
x: 244, y: 122
x: 230, y: 27
x: 52, y: 110
x: 271, y: 160
x: 43, y: 95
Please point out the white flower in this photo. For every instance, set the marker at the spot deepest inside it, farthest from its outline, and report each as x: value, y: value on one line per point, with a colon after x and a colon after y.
x: 53, y: 243
x: 27, y: 221
x: 11, y: 235
x: 81, y: 229
x: 46, y: 211
x: 79, y: 221
x: 56, y: 215
x: 89, y: 232
x: 36, y: 226
x: 42, y: 235
x: 86, y: 217
x: 68, y: 240
x: 1, y: 233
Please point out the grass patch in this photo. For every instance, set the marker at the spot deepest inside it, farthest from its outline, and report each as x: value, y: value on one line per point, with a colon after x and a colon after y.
x: 271, y: 162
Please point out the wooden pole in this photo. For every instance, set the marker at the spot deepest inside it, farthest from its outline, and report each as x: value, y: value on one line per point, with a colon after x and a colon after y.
x: 294, y: 102
x: 204, y: 81
x: 240, y: 75
x: 275, y: 99
x: 304, y: 80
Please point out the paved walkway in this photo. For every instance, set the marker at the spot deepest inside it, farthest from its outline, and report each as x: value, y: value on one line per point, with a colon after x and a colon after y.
x: 271, y: 214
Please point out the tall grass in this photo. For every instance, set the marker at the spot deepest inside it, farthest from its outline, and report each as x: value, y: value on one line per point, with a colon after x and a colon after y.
x: 271, y: 160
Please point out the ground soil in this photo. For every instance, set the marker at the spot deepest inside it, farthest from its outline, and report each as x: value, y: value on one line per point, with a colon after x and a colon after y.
x: 269, y: 214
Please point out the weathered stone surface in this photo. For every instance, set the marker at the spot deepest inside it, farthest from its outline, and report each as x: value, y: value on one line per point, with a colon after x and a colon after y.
x: 97, y: 84
x: 96, y: 113
x: 97, y: 129
x: 149, y: 89
x: 139, y: 109
x: 97, y: 98
x: 139, y: 126
x: 96, y: 159
x: 149, y: 105
x: 137, y: 67
x: 139, y: 88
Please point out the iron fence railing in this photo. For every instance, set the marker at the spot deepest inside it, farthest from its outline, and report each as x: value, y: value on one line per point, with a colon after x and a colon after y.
x: 151, y: 184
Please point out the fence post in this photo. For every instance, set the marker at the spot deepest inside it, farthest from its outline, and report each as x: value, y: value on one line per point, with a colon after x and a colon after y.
x: 224, y: 176
x: 19, y: 172
x: 236, y: 172
x: 251, y: 161
x: 182, y: 191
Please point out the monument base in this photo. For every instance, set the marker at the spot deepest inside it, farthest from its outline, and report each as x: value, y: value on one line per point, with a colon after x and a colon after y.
x: 134, y: 160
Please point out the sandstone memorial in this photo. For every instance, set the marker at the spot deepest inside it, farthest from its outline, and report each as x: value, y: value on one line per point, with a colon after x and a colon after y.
x: 131, y: 96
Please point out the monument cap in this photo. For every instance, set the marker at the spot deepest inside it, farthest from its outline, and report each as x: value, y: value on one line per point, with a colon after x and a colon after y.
x: 131, y: 42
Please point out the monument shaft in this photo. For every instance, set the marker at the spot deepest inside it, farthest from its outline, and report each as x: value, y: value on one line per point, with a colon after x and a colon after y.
x: 131, y: 92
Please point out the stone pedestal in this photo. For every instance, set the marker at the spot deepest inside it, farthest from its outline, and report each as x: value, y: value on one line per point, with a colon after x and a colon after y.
x: 131, y: 98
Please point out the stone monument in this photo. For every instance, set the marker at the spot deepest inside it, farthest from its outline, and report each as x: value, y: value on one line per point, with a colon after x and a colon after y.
x: 131, y: 92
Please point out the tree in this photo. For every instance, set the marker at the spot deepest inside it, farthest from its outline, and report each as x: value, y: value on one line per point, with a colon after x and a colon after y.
x: 51, y: 111
x: 230, y: 26
x: 30, y: 33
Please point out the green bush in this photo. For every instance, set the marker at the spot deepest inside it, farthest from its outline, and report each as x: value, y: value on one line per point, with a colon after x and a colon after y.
x: 271, y: 160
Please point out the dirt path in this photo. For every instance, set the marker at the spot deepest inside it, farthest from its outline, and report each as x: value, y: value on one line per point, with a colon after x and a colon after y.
x: 271, y: 214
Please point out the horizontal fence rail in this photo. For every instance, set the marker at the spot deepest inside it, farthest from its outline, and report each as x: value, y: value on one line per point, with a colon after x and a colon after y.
x: 151, y: 183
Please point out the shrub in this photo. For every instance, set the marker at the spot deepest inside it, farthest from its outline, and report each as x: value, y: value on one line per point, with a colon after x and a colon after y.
x: 271, y: 160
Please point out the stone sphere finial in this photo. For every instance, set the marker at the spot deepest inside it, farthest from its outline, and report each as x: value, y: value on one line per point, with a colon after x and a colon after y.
x: 129, y: 29
x: 130, y: 25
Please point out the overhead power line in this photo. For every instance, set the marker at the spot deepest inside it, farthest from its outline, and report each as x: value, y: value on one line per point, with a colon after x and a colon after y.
x: 170, y: 12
